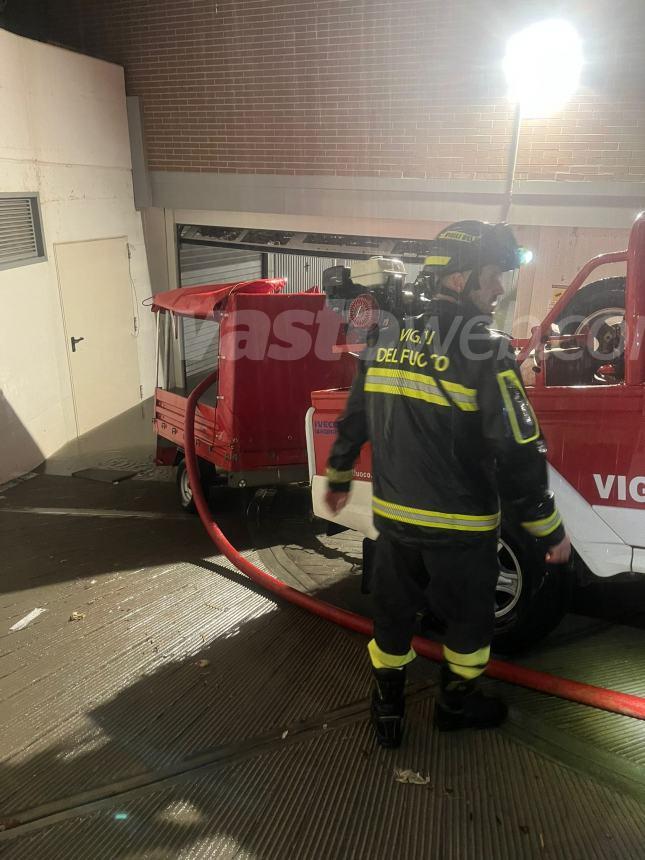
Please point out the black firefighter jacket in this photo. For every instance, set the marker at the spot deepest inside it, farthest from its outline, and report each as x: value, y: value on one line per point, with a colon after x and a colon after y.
x: 441, y: 401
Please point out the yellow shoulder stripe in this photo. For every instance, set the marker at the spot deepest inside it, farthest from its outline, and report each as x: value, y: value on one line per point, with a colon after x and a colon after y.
x: 518, y: 408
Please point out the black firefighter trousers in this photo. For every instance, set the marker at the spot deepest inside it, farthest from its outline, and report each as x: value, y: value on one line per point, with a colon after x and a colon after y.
x: 455, y: 576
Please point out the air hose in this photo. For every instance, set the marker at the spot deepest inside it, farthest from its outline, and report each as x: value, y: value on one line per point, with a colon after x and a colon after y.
x: 574, y: 691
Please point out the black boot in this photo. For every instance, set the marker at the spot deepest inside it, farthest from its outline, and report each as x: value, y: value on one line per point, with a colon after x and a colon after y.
x: 463, y: 706
x: 388, y: 706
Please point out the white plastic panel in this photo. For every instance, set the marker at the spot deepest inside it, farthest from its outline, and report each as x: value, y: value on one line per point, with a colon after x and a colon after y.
x: 357, y: 514
x: 606, y: 559
x: 638, y: 562
x: 628, y: 523
x: 601, y: 549
x: 309, y: 436
x: 581, y: 521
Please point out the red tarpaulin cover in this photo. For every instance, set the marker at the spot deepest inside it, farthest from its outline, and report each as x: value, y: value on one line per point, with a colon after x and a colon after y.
x: 266, y: 376
x: 204, y: 301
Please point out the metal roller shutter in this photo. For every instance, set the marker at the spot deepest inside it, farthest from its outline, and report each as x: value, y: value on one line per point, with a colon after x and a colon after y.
x: 203, y: 264
x: 302, y: 272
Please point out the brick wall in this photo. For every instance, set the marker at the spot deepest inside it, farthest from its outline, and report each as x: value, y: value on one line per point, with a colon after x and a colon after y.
x: 392, y: 88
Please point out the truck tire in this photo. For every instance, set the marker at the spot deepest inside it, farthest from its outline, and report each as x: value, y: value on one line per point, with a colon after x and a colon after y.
x: 532, y: 597
x: 183, y: 486
x: 591, y: 305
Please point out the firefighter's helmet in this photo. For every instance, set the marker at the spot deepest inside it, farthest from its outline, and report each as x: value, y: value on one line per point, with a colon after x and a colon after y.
x: 471, y: 245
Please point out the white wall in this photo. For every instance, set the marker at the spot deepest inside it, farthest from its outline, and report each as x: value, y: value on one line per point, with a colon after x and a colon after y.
x: 64, y: 134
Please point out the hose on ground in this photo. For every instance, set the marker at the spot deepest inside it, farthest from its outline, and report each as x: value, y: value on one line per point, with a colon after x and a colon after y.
x: 574, y: 691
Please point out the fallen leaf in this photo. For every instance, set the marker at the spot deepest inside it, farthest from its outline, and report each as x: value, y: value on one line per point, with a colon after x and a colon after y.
x: 411, y: 777
x: 77, y: 616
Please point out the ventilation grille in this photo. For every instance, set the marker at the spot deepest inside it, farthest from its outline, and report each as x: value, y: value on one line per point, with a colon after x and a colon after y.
x: 20, y: 238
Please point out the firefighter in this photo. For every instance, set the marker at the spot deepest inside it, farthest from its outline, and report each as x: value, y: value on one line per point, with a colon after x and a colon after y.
x: 440, y: 398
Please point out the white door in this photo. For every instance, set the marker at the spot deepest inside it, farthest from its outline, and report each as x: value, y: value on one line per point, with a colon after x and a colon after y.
x: 98, y: 312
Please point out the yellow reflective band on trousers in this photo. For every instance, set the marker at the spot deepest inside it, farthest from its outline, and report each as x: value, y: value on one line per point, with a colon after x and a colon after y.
x: 383, y: 660
x: 543, y: 528
x: 338, y: 477
x: 420, y: 386
x: 435, y: 519
x: 467, y: 666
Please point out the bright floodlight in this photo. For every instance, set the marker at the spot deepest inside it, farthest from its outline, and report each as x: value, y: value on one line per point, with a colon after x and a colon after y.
x: 542, y: 66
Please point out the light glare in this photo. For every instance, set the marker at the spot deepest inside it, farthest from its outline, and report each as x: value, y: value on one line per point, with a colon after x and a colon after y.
x: 542, y: 67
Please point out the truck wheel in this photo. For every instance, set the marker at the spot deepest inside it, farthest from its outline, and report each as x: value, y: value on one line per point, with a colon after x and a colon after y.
x: 183, y: 488
x: 531, y: 597
x: 599, y: 308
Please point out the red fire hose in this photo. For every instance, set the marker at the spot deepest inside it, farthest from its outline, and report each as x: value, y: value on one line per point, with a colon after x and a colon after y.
x: 585, y: 694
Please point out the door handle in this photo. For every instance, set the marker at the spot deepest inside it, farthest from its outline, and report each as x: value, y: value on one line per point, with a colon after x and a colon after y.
x: 74, y: 341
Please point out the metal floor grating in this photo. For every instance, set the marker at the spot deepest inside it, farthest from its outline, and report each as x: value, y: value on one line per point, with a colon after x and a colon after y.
x: 188, y: 760
x: 335, y: 796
